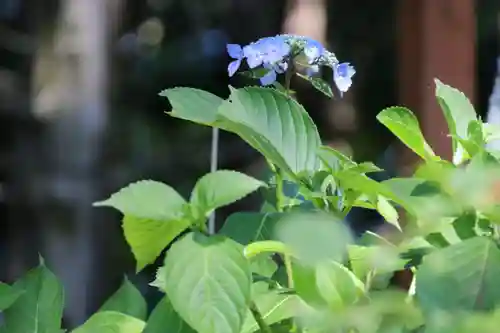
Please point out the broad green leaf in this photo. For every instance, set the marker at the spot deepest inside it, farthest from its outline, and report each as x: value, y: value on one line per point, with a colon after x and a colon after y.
x: 463, y: 276
x: 458, y: 112
x: 275, y: 125
x: 319, y: 84
x: 153, y: 217
x: 339, y: 286
x: 387, y: 210
x: 274, y: 307
x: 193, y: 104
x: 164, y: 318
x: 378, y: 260
x: 465, y: 225
x: 147, y: 238
x: 221, y: 188
x: 8, y: 295
x: 314, y: 237
x: 110, y: 322
x: 208, y: 282
x: 146, y: 199
x: 333, y: 159
x: 421, y: 198
x: 246, y: 228
x: 475, y: 132
x: 40, y: 307
x: 127, y: 300
x: 403, y: 123
x: 360, y: 183
x: 327, y: 283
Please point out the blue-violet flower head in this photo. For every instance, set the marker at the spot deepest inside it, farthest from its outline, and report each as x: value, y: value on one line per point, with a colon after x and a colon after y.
x: 236, y: 52
x: 342, y: 75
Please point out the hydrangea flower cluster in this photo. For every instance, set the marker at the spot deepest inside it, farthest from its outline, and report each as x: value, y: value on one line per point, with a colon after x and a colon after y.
x: 276, y: 55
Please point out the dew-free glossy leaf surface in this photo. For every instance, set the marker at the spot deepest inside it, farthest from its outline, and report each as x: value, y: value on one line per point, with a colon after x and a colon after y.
x: 208, y: 282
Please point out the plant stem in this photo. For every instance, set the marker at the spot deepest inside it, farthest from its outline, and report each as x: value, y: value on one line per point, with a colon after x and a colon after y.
x: 288, y: 75
x: 288, y: 268
x: 214, y: 158
x: 279, y: 191
x: 289, y: 274
x: 264, y: 328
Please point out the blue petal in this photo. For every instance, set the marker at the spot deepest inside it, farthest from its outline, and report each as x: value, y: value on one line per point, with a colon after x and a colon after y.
x: 345, y: 70
x: 313, y: 50
x: 275, y: 50
x: 281, y: 67
x: 235, y: 51
x: 342, y: 75
x: 342, y: 83
x: 233, y: 67
x: 269, y: 78
x: 312, y: 70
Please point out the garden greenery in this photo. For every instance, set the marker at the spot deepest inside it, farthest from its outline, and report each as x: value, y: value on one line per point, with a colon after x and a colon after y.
x: 294, y: 266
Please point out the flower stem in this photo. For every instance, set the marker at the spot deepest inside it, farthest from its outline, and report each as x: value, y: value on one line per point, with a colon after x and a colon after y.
x: 264, y: 328
x: 288, y: 75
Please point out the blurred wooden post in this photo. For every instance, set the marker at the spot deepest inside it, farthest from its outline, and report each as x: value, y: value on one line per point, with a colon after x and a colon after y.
x: 436, y: 40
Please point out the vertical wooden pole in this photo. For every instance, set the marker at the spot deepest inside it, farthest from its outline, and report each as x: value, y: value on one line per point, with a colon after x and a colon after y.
x: 436, y: 39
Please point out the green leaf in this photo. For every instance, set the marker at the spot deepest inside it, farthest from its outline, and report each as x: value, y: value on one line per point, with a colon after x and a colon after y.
x: 40, y: 307
x: 111, y: 322
x: 8, y: 295
x: 327, y: 283
x: 421, y: 198
x: 208, y: 282
x: 378, y: 260
x: 403, y: 123
x: 360, y: 183
x: 147, y: 199
x: 191, y: 104
x: 458, y: 112
x: 221, y: 188
x: 147, y: 238
x: 333, y: 159
x: 365, y: 167
x: 465, y: 225
x: 246, y: 228
x: 273, y: 306
x: 314, y: 237
x: 475, y: 132
x: 165, y: 318
x: 318, y: 83
x: 463, y: 276
x: 159, y: 281
x: 127, y: 300
x: 388, y: 211
x: 255, y: 73
x: 154, y: 216
x: 275, y: 125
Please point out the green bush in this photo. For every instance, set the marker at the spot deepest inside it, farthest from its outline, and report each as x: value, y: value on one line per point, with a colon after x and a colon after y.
x: 293, y: 268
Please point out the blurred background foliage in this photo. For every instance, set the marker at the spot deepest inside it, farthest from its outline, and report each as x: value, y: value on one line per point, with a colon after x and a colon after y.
x: 80, y: 114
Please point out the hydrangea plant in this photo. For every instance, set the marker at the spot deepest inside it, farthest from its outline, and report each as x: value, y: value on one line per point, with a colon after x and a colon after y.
x: 294, y: 266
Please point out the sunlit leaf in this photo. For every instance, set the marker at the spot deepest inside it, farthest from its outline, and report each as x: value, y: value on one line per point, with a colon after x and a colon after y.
x: 403, y: 123
x: 153, y: 217
x: 127, y: 300
x: 221, y: 188
x: 208, y: 282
